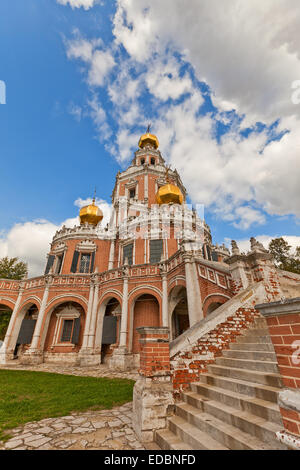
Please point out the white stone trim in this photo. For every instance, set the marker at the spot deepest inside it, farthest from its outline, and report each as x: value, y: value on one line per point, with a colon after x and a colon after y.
x: 289, y: 439
x: 224, y: 286
x: 9, y: 300
x: 290, y: 399
x: 214, y: 294
x: 29, y: 299
x: 63, y: 296
x: 200, y: 273
x: 86, y: 246
x: 214, y: 275
x: 61, y: 316
x: 136, y: 289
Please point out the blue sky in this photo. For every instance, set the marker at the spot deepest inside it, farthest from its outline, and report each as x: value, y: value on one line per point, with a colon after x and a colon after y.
x: 83, y: 79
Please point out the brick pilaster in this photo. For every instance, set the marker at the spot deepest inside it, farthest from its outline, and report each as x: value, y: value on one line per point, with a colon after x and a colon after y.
x: 283, y: 320
x: 155, y: 351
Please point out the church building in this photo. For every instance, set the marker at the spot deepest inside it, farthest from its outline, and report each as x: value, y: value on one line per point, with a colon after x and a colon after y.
x: 154, y: 264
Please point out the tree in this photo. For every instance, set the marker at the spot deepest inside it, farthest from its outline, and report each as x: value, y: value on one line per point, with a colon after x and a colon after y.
x: 12, y: 268
x: 283, y: 258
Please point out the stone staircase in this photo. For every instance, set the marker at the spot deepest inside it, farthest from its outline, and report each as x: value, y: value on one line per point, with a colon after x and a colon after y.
x: 234, y: 405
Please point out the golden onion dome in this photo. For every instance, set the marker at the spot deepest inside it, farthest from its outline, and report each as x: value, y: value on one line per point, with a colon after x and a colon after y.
x: 90, y: 214
x: 169, y: 194
x: 148, y: 139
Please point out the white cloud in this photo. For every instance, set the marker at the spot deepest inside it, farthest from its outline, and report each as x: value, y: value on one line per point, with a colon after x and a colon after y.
x: 30, y: 241
x: 100, y: 62
x: 164, y: 81
x: 86, y: 4
x: 248, y: 54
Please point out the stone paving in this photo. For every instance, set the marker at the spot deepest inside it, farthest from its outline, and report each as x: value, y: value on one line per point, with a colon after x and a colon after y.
x: 91, y: 430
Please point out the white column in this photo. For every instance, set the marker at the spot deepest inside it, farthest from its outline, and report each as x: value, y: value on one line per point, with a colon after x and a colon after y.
x: 111, y: 255
x: 39, y: 323
x: 6, y: 343
x: 146, y: 186
x: 165, y: 310
x: 88, y: 318
x: 193, y: 290
x: 124, y: 317
x: 92, y: 330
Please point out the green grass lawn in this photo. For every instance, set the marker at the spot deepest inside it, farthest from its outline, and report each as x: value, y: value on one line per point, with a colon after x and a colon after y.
x: 30, y: 396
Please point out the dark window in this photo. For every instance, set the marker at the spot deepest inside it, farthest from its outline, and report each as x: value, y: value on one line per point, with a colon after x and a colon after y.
x: 84, y: 266
x: 93, y: 262
x: 49, y: 263
x: 67, y: 330
x: 132, y: 193
x: 156, y: 250
x: 208, y: 252
x: 26, y: 331
x: 59, y: 263
x: 74, y: 262
x: 214, y: 256
x: 109, y: 331
x: 142, y: 161
x: 152, y: 161
x: 76, y: 331
x: 127, y: 253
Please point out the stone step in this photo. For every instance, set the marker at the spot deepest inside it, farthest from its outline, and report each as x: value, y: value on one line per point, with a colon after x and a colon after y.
x: 224, y: 433
x: 266, y: 356
x: 256, y: 406
x: 253, y: 339
x: 192, y: 435
x: 244, y: 387
x: 271, y: 379
x: 167, y: 440
x: 249, y: 423
x: 251, y: 347
x: 261, y: 366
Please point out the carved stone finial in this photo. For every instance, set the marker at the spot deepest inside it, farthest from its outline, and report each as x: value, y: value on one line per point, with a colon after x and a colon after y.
x: 257, y: 246
x: 235, y: 248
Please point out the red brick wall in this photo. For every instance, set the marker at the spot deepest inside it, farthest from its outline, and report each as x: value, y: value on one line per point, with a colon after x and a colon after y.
x: 291, y: 420
x: 285, y: 331
x: 187, y: 366
x: 285, y: 335
x: 154, y: 353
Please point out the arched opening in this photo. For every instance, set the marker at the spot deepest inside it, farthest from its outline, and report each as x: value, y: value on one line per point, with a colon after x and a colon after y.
x: 5, y: 315
x: 145, y: 313
x: 110, y: 329
x: 212, y: 307
x: 180, y: 315
x: 26, y: 330
x: 65, y: 329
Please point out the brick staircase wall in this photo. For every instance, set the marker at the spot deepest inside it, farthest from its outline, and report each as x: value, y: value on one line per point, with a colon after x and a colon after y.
x: 187, y: 366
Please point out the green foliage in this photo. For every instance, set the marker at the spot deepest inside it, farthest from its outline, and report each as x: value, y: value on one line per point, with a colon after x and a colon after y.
x: 12, y: 268
x: 283, y: 258
x: 4, y: 321
x: 31, y: 396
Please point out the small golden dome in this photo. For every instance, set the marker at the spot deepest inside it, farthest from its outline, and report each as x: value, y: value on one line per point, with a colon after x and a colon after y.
x: 169, y: 194
x: 148, y: 139
x: 90, y: 214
